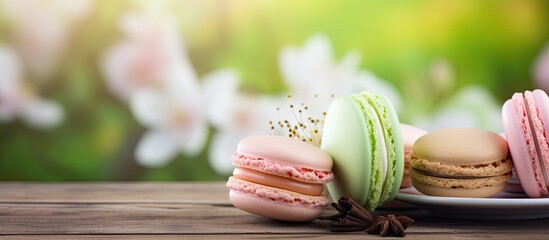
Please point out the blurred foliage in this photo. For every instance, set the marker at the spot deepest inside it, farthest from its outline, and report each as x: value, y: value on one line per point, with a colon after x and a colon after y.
x: 491, y: 43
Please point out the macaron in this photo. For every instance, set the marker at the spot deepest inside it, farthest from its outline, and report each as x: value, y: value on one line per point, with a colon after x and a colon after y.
x: 460, y: 162
x: 410, y: 134
x: 280, y: 178
x: 526, y: 124
x: 362, y: 135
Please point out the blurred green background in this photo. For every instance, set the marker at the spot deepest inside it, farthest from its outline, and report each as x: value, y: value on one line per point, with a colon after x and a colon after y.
x: 491, y: 44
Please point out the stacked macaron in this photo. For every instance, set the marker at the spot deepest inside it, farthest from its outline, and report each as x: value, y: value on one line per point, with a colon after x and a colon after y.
x: 362, y: 135
x: 460, y: 162
x: 280, y: 178
x: 526, y: 123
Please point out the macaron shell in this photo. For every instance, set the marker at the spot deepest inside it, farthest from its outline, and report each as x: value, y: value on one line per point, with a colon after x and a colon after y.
x: 459, y: 192
x: 476, y: 146
x: 519, y: 133
x: 395, y: 146
x: 459, y: 187
x: 458, y: 182
x: 346, y: 138
x: 381, y: 164
x: 285, y: 150
x: 542, y: 130
x: 271, y: 209
x: 277, y: 194
x: 282, y: 169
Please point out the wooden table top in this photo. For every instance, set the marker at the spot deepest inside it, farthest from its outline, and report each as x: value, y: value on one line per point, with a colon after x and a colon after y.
x: 193, y: 210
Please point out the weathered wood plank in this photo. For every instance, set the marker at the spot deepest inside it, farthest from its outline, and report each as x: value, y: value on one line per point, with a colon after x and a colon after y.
x: 152, y: 218
x: 191, y: 210
x: 158, y: 218
x: 113, y: 192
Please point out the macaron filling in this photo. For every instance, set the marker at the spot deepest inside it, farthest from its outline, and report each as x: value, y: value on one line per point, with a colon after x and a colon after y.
x: 276, y: 168
x: 278, y: 182
x: 434, y: 174
x: 276, y: 195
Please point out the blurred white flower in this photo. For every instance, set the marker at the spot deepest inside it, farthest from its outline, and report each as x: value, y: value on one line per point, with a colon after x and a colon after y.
x: 471, y: 107
x: 174, y: 118
x: 149, y: 68
x: 312, y: 70
x: 234, y: 114
x: 144, y: 58
x: 541, y: 69
x: 18, y: 99
x: 42, y: 28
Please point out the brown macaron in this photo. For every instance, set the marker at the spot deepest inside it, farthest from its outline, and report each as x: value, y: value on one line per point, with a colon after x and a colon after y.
x: 460, y: 162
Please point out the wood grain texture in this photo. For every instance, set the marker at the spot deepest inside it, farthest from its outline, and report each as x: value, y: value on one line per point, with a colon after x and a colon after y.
x: 126, y: 192
x: 192, y: 210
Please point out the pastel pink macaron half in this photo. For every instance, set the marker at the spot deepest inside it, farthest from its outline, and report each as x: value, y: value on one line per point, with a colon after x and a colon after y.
x: 410, y: 135
x: 526, y: 124
x: 280, y: 178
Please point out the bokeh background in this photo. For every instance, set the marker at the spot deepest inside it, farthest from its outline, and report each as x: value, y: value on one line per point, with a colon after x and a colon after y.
x: 163, y: 90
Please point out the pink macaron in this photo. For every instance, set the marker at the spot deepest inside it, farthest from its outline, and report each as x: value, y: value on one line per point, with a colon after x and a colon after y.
x: 526, y: 123
x: 280, y: 178
x: 409, y: 134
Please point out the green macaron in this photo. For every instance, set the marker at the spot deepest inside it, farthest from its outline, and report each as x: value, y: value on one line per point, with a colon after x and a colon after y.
x: 362, y: 134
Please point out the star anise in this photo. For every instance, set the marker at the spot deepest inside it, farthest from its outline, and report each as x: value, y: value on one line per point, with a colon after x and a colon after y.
x: 351, y: 216
x: 390, y: 225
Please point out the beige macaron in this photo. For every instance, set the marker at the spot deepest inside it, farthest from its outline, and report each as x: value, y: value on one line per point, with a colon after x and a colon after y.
x: 460, y: 162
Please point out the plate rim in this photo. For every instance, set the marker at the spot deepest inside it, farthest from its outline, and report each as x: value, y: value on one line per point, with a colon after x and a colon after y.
x: 420, y: 199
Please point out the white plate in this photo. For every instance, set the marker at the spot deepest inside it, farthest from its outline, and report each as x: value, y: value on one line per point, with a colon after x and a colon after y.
x: 504, y: 206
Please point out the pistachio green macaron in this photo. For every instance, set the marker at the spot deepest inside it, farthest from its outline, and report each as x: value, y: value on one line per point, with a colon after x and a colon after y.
x: 362, y: 134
